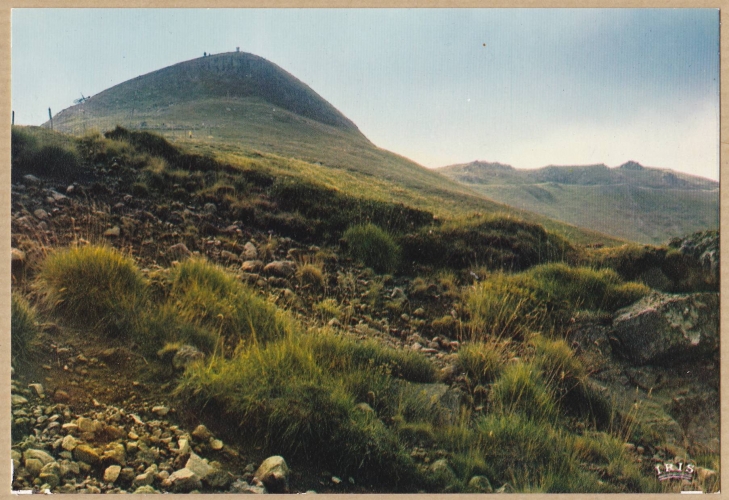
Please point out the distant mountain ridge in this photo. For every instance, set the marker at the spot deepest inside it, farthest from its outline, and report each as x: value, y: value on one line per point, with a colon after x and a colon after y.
x: 631, y: 201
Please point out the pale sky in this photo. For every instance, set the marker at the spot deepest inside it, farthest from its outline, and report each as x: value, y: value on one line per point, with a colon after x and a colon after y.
x: 526, y: 87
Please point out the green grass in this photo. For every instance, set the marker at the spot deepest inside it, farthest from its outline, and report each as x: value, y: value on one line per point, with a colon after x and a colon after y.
x: 94, y: 286
x: 207, y: 296
x: 23, y: 328
x: 660, y: 267
x: 496, y: 241
x: 298, y: 397
x: 482, y: 362
x: 43, y: 154
x: 544, y: 298
x: 373, y: 247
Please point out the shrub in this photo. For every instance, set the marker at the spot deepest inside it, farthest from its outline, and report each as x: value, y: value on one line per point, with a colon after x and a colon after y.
x: 373, y: 247
x: 94, y: 286
x: 23, y: 328
x: 207, y: 296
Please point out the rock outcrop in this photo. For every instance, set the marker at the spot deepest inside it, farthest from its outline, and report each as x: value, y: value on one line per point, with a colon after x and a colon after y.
x: 667, y: 329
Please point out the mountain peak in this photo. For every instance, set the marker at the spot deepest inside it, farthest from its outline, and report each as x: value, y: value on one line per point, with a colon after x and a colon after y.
x: 229, y: 76
x: 631, y: 165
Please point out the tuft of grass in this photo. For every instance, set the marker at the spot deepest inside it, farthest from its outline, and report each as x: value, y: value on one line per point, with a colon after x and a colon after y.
x: 520, y: 389
x: 544, y: 298
x: 23, y: 328
x: 328, y: 309
x: 311, y: 274
x: 482, y: 362
x: 292, y: 396
x: 207, y: 296
x: 373, y: 247
x: 94, y: 286
x: 504, y: 306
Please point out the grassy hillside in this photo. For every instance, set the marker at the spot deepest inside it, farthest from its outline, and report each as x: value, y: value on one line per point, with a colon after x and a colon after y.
x: 637, y: 203
x: 244, y: 110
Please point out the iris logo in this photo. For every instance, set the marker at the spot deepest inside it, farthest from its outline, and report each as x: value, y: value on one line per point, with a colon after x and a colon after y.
x: 675, y: 471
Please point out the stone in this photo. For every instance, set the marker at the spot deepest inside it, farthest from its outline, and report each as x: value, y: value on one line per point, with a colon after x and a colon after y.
x: 216, y: 444
x: 201, y: 433
x: 85, y: 453
x: 274, y: 474
x: 44, y: 457
x: 40, y: 214
x: 127, y: 474
x: 241, y: 486
x: 145, y: 490
x: 480, y: 484
x: 111, y: 474
x: 442, y: 473
x: 184, y: 481
x: 31, y: 180
x: 280, y: 268
x: 50, y: 474
x: 17, y: 400
x: 179, y: 251
x: 87, y: 424
x: 210, y: 208
x: 146, y: 477
x: 185, y: 355
x: 667, y: 329
x: 114, y: 453
x: 113, y: 232
x: 160, y: 411
x: 249, y: 252
x: 252, y: 266
x: 17, y: 257
x: 230, y: 256
x: 33, y: 466
x: 69, y: 443
x: 198, y: 466
x: 38, y: 388
x: 364, y: 408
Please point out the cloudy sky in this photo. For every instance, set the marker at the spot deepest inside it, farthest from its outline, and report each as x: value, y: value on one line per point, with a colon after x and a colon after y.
x: 527, y: 87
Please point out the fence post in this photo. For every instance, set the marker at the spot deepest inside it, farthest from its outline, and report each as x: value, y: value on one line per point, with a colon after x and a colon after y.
x: 50, y: 116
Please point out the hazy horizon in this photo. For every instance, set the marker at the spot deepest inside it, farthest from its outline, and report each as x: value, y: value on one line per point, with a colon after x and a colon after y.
x: 524, y: 87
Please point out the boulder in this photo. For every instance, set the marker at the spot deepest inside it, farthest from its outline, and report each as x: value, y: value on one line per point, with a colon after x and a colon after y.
x: 85, y: 453
x: 44, y: 457
x: 184, y: 481
x: 249, y: 252
x: 667, y: 329
x: 274, y: 474
x: 280, y: 268
x: 198, y: 466
x: 252, y: 266
x: 50, y: 474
